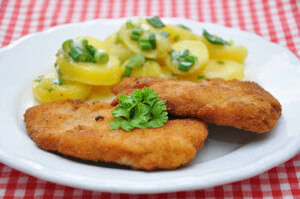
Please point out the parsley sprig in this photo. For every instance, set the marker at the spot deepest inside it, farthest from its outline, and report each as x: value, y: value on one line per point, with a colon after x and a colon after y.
x: 141, y: 109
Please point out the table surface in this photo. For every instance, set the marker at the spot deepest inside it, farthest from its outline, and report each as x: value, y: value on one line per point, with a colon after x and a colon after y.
x: 278, y: 21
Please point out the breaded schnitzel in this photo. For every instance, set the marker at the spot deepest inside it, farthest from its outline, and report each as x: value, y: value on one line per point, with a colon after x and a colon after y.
x: 78, y: 129
x: 240, y: 104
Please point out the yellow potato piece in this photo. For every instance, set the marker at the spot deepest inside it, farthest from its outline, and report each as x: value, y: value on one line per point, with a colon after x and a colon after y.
x: 178, y: 33
x: 235, y: 52
x: 101, y: 93
x: 149, y: 69
x: 117, y: 49
x: 167, y: 73
x: 163, y: 44
x: 90, y: 73
x: 224, y: 68
x: 44, y: 90
x: 197, y: 49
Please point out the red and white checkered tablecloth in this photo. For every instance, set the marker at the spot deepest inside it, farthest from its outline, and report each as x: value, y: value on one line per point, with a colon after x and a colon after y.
x: 275, y: 20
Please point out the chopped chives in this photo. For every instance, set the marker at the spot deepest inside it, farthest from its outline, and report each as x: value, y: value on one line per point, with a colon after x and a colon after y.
x: 165, y: 34
x: 127, y: 71
x: 59, y: 73
x: 145, y: 44
x: 174, y: 55
x: 80, y: 55
x: 176, y: 38
x: 184, y: 53
x: 220, y: 62
x: 81, y: 51
x: 129, y: 24
x: 184, y: 27
x: 84, y: 43
x: 50, y: 89
x: 201, y: 77
x: 101, y: 56
x: 136, y: 34
x: 136, y: 61
x: 214, y: 39
x: 57, y: 81
x: 135, y: 37
x: 118, y: 38
x: 91, y: 49
x: 156, y: 22
x: 185, y: 62
x: 67, y: 45
x: 150, y: 59
x: 152, y: 40
x: 38, y: 80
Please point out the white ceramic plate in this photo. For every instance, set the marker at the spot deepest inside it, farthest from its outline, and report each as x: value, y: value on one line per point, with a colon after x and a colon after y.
x: 228, y: 155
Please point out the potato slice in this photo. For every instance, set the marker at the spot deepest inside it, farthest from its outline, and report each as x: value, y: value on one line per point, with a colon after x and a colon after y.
x: 234, y: 52
x: 163, y: 44
x: 178, y: 33
x: 224, y: 68
x: 94, y: 42
x: 149, y: 69
x: 116, y: 48
x: 45, y: 90
x: 197, y: 49
x: 101, y: 93
x: 90, y: 73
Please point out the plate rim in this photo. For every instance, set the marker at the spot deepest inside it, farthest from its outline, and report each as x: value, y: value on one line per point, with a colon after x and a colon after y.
x: 256, y: 168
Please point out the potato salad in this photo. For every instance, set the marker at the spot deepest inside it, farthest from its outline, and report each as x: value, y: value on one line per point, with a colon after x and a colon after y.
x: 86, y: 67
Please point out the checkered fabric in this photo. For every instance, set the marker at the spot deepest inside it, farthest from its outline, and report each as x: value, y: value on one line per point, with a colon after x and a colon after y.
x: 276, y: 20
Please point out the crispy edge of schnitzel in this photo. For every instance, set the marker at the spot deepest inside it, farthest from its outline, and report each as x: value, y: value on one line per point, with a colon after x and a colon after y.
x: 240, y: 104
x: 70, y: 127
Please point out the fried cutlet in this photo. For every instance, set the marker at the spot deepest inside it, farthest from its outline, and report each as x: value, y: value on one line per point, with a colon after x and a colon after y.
x: 78, y: 129
x: 240, y: 104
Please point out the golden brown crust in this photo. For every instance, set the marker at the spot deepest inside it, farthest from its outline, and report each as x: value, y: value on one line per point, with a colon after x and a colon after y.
x: 70, y: 127
x: 241, y: 104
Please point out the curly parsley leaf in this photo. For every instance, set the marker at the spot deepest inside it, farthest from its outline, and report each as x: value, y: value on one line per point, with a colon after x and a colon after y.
x: 141, y: 109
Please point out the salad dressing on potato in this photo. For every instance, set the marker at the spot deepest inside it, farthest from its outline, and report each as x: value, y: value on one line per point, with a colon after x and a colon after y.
x: 86, y: 67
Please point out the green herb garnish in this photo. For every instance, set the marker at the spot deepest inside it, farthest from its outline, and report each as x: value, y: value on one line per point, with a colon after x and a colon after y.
x: 127, y: 71
x: 80, y: 55
x: 176, y: 38
x: 152, y: 40
x: 118, y: 38
x: 145, y: 44
x: 165, y: 34
x: 185, y: 61
x: 142, y: 109
x: 57, y: 81
x: 59, y: 73
x: 184, y: 27
x: 136, y: 34
x: 101, y: 56
x: 81, y: 51
x: 67, y: 45
x: 38, y: 80
x: 214, y: 39
x: 201, y: 77
x: 50, y: 89
x: 156, y: 22
x: 220, y: 62
x: 135, y: 61
x: 129, y: 24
